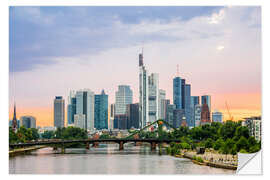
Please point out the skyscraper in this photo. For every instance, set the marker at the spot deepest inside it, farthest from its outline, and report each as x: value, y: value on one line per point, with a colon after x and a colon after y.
x: 198, y: 110
x: 79, y: 121
x: 112, y: 110
x: 194, y: 100
x: 59, y: 112
x: 178, y: 116
x: 163, y: 108
x: 169, y: 114
x: 71, y: 108
x: 143, y: 91
x: 161, y: 98
x: 179, y: 92
x: 187, y: 109
x: 101, y: 111
x: 153, y: 95
x: 133, y: 116
x: 85, y: 104
x: 123, y: 97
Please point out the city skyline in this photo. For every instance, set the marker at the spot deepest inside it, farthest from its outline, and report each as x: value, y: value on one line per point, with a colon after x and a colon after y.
x: 235, y: 74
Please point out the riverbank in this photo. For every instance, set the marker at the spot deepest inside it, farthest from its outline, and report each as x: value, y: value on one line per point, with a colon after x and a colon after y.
x: 210, y: 158
x: 20, y: 151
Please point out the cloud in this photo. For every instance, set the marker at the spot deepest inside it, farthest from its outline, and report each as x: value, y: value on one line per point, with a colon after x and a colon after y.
x: 107, y: 55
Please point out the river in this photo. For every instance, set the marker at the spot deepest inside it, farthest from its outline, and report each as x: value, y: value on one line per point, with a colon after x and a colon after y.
x: 106, y: 159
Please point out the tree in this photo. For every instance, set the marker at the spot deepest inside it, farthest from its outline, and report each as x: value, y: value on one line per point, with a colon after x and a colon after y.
x: 209, y: 143
x: 12, y: 136
x: 242, y: 143
x: 218, y: 144
x: 241, y: 131
x: 34, y: 133
x: 47, y: 135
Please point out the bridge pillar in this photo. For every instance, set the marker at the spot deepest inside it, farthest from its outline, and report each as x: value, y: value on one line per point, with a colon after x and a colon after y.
x: 87, y: 146
x: 63, y: 150
x: 54, y: 148
x: 153, y: 146
x: 121, y: 145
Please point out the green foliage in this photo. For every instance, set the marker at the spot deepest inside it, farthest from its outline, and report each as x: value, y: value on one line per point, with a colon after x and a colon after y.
x: 47, y: 135
x: 209, y: 143
x: 243, y: 151
x: 241, y: 131
x: 199, y: 159
x: 70, y: 133
x: 218, y: 144
x: 242, y: 143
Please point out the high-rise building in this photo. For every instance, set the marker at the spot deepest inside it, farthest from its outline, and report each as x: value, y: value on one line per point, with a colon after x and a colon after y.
x: 254, y: 125
x: 178, y: 116
x: 161, y: 97
x: 163, y: 108
x: 187, y: 109
x: 143, y: 91
x: 85, y: 104
x: 28, y: 121
x: 179, y: 92
x: 79, y: 121
x: 123, y: 97
x: 194, y: 100
x: 169, y: 114
x: 217, y: 116
x: 111, y: 118
x: 120, y: 121
x: 198, y: 110
x: 101, y: 111
x: 153, y: 95
x: 133, y: 116
x: 71, y: 108
x: 59, y: 112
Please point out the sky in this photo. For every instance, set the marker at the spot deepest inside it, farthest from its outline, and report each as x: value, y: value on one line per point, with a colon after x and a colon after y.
x: 57, y: 49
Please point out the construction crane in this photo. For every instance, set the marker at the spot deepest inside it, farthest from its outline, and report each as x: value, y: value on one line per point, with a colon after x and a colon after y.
x: 230, y: 116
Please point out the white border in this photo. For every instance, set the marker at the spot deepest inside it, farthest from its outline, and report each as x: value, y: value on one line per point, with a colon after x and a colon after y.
x: 4, y: 70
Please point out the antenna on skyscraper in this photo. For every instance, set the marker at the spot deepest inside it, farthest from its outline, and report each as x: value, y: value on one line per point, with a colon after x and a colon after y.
x: 177, y: 70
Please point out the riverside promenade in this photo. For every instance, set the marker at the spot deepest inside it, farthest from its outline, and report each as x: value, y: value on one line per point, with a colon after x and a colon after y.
x: 213, y: 159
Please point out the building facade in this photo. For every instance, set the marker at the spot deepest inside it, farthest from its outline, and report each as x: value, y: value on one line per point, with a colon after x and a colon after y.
x: 217, y: 116
x: 59, y: 112
x: 179, y: 92
x: 163, y: 108
x: 161, y: 98
x: 120, y: 121
x: 198, y: 110
x: 179, y: 118
x: 206, y: 99
x: 101, y: 111
x: 71, y: 108
x: 28, y: 121
x: 187, y: 109
x: 153, y: 95
x: 254, y: 126
x: 85, y: 104
x: 79, y: 121
x: 169, y: 114
x: 133, y: 116
x: 123, y: 97
x: 194, y: 100
x: 111, y: 117
x: 143, y: 92
x: 205, y: 115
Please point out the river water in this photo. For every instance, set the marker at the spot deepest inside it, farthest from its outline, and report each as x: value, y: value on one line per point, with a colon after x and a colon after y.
x: 106, y: 159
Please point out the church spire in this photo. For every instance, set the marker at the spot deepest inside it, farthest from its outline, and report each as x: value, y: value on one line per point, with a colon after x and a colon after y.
x: 14, y: 120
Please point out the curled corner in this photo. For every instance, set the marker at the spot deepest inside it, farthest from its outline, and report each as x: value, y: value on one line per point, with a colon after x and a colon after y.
x: 249, y: 163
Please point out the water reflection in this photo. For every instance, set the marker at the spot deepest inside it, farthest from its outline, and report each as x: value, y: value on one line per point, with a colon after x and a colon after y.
x: 106, y: 159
